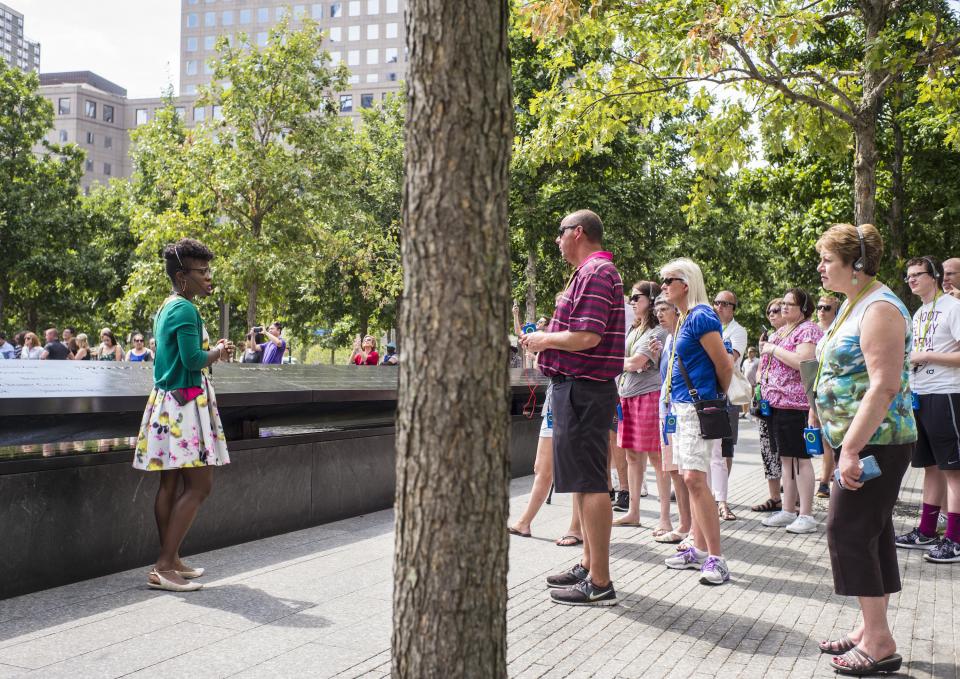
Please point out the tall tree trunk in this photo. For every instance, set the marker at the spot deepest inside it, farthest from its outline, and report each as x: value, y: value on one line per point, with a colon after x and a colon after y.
x: 224, y: 318
x: 531, y: 275
x: 898, y: 246
x: 252, y: 305
x: 4, y: 296
x: 450, y: 563
x: 865, y: 171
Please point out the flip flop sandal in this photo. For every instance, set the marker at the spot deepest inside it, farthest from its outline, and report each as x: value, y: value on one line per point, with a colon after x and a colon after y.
x: 837, y: 646
x: 770, y: 505
x: 627, y: 524
x: 569, y: 541
x: 671, y: 537
x: 858, y: 664
x: 514, y: 531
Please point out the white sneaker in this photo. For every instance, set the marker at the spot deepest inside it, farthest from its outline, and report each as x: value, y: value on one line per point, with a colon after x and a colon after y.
x: 779, y: 519
x: 803, y: 524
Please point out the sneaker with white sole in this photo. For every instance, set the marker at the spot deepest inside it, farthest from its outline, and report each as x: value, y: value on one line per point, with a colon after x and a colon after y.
x: 915, y: 540
x: 779, y: 519
x: 585, y: 593
x: 803, y: 524
x: 714, y: 571
x: 688, y: 558
x: 945, y: 551
x: 568, y: 578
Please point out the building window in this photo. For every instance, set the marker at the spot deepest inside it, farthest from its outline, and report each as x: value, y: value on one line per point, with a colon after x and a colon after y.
x: 299, y: 12
x: 346, y: 102
x: 217, y: 112
x: 391, y: 30
x: 335, y: 57
x: 63, y: 106
x: 209, y: 18
x: 336, y: 34
x: 391, y: 6
x: 373, y: 57
x: 373, y: 31
x: 353, y: 58
x: 190, y: 89
x: 107, y: 113
x: 373, y: 6
x: 90, y: 108
x: 392, y: 77
x: 336, y: 9
x: 191, y: 44
x: 208, y: 66
x: 262, y: 39
x: 209, y: 42
x: 88, y: 165
x: 366, y: 101
x: 263, y: 14
x: 108, y: 142
x: 64, y: 136
x: 141, y: 116
x: 316, y: 11
x: 199, y: 114
x: 245, y: 16
x: 353, y: 33
x: 180, y: 112
x: 354, y: 80
x: 192, y: 67
x: 91, y: 138
x: 373, y: 77
x: 227, y: 19
x: 354, y: 8
x: 107, y: 170
x: 193, y: 20
x: 390, y: 55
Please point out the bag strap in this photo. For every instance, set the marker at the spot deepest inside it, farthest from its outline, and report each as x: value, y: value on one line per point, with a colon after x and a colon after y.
x: 686, y: 378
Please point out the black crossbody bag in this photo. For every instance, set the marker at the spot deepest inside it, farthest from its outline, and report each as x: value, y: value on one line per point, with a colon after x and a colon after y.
x: 712, y: 413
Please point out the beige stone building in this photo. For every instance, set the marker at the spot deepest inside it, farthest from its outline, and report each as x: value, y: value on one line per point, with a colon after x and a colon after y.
x: 16, y: 50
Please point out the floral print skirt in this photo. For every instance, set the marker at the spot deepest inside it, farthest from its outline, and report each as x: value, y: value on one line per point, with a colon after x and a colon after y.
x: 174, y: 436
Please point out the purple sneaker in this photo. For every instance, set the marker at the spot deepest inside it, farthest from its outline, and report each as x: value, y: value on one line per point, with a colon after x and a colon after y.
x: 714, y: 571
x: 686, y: 559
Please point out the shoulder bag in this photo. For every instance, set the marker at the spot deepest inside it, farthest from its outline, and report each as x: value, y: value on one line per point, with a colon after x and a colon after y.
x: 712, y: 413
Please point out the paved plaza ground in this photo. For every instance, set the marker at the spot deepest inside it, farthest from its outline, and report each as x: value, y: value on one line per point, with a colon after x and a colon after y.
x: 316, y: 603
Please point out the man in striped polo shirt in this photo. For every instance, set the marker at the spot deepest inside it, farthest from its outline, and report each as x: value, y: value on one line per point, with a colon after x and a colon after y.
x: 581, y: 351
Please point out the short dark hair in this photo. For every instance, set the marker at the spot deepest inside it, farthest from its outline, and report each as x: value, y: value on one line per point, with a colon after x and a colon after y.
x: 278, y: 324
x: 73, y: 331
x: 931, y: 265
x: 3, y: 335
x: 590, y: 222
x: 185, y: 248
x: 803, y: 298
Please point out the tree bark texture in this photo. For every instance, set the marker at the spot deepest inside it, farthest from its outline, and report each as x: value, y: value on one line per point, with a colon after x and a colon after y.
x: 252, y: 305
x: 450, y: 565
x: 865, y: 131
x: 224, y: 318
x: 532, y: 284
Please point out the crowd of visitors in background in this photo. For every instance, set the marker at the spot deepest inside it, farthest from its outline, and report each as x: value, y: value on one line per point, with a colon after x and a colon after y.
x: 859, y: 382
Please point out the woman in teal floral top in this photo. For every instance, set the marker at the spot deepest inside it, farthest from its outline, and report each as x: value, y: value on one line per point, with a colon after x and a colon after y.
x: 863, y: 402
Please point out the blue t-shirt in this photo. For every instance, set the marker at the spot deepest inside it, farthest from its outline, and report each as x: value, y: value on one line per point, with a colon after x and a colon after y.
x: 272, y: 353
x: 700, y: 321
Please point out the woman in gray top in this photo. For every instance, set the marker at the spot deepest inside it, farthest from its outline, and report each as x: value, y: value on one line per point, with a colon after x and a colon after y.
x: 639, y: 388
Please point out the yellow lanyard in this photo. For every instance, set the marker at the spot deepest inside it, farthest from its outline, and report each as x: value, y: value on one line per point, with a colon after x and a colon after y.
x: 765, y: 378
x: 833, y: 329
x: 926, y: 328
x: 673, y: 354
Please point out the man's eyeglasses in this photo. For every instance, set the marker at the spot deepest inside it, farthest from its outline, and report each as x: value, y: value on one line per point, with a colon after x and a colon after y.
x: 137, y: 339
x: 824, y: 307
x: 723, y: 302
x: 565, y: 228
x: 914, y: 276
x: 670, y: 281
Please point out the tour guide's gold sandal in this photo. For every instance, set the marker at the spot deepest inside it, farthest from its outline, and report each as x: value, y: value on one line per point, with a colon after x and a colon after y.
x: 858, y: 664
x: 169, y: 585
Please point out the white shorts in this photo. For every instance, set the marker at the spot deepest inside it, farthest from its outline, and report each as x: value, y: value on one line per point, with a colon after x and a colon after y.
x: 546, y: 431
x: 690, y: 450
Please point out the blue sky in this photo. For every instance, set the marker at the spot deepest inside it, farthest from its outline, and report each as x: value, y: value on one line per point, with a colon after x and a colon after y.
x: 134, y: 43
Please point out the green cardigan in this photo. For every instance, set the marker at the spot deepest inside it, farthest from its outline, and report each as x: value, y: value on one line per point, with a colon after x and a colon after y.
x: 180, y: 357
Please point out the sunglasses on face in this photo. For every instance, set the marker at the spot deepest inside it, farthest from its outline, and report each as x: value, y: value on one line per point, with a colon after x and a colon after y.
x: 722, y: 302
x: 670, y: 281
x: 824, y: 307
x: 565, y: 228
x: 773, y: 312
x: 636, y: 297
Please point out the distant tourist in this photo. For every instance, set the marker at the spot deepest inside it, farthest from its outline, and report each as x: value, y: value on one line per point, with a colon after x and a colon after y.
x: 18, y: 343
x: 54, y: 349
x: 139, y: 353
x: 365, y: 352
x: 181, y: 435
x: 7, y: 350
x: 83, y: 352
x: 827, y: 307
x: 108, y: 350
x: 69, y: 335
x: 31, y: 349
x: 951, y: 277
x: 274, y: 345
x: 391, y: 357
x: 252, y: 353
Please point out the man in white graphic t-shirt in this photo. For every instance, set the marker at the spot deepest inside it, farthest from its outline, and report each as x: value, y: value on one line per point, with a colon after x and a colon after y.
x: 935, y: 383
x: 725, y: 304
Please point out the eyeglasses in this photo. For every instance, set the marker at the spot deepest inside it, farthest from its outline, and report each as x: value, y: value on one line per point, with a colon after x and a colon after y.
x: 914, y: 276
x: 670, y: 281
x: 565, y: 228
x: 723, y: 302
x: 203, y: 271
x: 137, y: 339
x: 773, y: 311
x: 636, y: 297
x: 824, y: 307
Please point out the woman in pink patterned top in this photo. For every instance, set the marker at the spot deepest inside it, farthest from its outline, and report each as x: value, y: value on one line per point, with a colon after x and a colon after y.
x: 780, y: 361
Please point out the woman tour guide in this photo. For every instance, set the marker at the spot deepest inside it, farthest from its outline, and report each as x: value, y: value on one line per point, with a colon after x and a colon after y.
x: 180, y: 435
x: 864, y: 406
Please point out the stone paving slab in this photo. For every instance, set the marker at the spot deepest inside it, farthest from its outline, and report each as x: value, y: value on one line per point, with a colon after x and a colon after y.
x: 317, y: 603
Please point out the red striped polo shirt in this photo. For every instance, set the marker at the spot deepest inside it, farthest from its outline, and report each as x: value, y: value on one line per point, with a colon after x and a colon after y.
x: 593, y: 302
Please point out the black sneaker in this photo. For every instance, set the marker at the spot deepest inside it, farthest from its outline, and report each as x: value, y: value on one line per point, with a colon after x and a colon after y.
x: 569, y: 578
x: 915, y: 540
x: 585, y: 593
x: 622, y: 502
x: 823, y: 490
x: 946, y: 551
x: 613, y: 496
